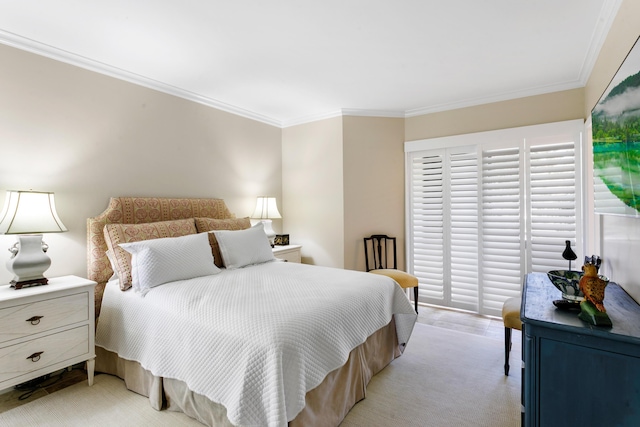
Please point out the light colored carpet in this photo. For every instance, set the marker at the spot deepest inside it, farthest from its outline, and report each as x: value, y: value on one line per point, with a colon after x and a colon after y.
x: 444, y: 378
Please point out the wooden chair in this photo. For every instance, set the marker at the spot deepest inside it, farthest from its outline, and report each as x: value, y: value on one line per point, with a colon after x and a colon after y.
x: 511, y: 319
x: 381, y: 258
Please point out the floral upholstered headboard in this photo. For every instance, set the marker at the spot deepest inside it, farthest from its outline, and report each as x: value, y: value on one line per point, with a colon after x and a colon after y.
x: 139, y: 210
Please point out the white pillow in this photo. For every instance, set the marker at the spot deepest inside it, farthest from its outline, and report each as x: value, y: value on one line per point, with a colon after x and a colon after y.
x: 158, y: 261
x: 240, y: 248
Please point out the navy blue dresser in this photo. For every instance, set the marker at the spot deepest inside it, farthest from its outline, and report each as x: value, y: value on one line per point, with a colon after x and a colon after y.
x: 576, y: 374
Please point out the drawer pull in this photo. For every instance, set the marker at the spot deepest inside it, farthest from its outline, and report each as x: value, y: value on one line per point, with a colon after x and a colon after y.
x: 34, y: 320
x: 35, y: 356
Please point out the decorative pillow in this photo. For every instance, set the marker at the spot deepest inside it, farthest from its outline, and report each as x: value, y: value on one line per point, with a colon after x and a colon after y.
x: 159, y: 261
x: 110, y: 258
x: 210, y: 224
x: 244, y: 247
x: 112, y: 263
x: 114, y: 234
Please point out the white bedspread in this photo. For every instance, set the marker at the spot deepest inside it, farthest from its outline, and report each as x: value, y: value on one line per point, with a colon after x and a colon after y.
x: 254, y: 339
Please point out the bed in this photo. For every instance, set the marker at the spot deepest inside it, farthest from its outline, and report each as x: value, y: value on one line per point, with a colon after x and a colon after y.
x: 255, y: 342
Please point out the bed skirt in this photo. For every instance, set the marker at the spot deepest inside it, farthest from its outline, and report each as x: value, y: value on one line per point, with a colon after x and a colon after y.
x: 326, y: 405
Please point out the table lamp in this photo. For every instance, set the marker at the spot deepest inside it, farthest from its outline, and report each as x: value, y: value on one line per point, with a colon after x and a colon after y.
x: 266, y: 210
x: 29, y: 214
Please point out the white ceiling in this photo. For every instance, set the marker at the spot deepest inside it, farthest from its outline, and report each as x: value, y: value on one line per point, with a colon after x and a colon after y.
x: 285, y: 62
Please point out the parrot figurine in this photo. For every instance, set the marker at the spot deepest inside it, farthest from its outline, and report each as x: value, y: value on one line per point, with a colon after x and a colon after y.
x: 592, y: 286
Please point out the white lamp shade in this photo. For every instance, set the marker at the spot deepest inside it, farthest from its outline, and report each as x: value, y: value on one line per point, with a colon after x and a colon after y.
x: 266, y: 208
x: 29, y: 212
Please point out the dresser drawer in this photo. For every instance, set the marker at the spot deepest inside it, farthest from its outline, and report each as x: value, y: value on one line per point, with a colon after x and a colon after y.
x: 27, y: 319
x: 55, y: 348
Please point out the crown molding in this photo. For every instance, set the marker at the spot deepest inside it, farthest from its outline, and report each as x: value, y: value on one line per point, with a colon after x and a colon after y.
x: 310, y: 119
x: 61, y: 55
x: 607, y: 15
x: 372, y: 113
x: 341, y: 113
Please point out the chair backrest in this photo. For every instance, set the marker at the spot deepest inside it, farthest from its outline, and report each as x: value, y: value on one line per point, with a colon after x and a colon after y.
x: 380, y: 252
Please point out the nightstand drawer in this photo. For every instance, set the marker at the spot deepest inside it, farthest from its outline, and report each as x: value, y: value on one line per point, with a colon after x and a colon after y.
x: 289, y: 253
x: 27, y: 319
x: 293, y: 256
x: 20, y: 359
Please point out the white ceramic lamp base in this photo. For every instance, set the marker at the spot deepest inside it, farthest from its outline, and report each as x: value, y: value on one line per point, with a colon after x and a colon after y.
x: 29, y: 261
x: 268, y: 230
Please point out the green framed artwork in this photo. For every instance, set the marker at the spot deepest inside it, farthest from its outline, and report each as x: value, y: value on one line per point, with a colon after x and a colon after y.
x: 616, y: 141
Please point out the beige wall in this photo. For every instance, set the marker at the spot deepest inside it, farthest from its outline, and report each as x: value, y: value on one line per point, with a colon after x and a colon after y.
x: 343, y: 179
x: 620, y: 236
x: 373, y: 184
x: 312, y: 189
x: 88, y: 137
x: 533, y: 110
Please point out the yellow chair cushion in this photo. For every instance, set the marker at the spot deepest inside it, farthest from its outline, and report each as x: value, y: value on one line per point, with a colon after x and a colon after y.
x: 511, y: 313
x: 405, y: 280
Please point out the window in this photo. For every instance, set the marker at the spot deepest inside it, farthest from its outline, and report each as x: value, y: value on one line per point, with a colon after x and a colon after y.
x: 484, y: 209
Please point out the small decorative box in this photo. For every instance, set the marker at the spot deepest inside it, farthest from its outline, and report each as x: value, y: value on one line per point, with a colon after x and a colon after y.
x: 281, y: 240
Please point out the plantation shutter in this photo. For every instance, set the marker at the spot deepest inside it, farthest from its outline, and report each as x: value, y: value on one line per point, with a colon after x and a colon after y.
x: 502, y: 253
x: 554, y: 203
x: 604, y: 200
x: 427, y: 224
x: 444, y: 206
x: 484, y: 209
x: 463, y: 251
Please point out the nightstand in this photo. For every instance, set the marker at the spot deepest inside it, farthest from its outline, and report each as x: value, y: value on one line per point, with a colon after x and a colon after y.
x: 289, y: 253
x: 46, y: 328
